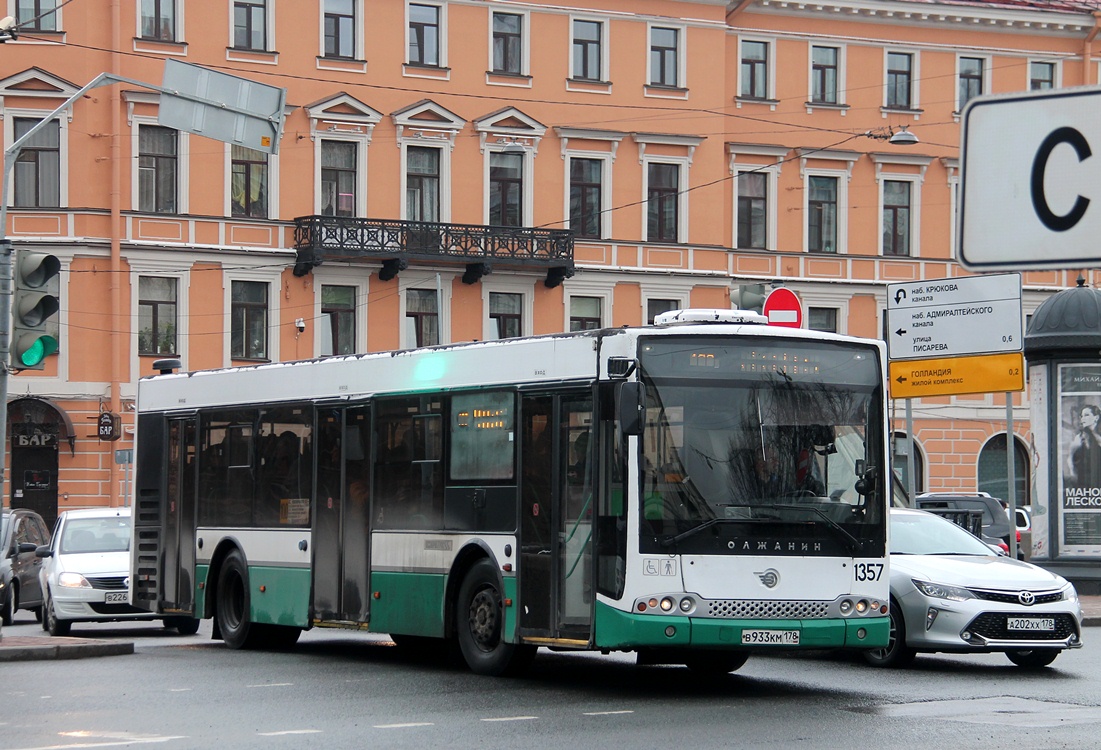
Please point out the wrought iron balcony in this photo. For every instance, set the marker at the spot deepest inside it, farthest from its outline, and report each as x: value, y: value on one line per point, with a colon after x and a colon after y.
x: 395, y: 243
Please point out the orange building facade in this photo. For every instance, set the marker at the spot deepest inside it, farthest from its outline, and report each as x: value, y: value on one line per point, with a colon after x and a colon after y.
x: 468, y: 169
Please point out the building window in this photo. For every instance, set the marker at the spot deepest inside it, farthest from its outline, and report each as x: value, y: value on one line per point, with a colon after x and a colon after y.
x: 158, y: 20
x: 338, y: 319
x: 993, y: 470
x: 157, y: 169
x: 753, y: 210
x: 36, y: 15
x: 508, y: 43
x: 424, y: 35
x: 896, y: 217
x: 823, y: 75
x: 338, y: 178
x: 37, y: 176
x: 250, y: 26
x: 901, y: 464
x: 900, y: 76
x: 156, y: 315
x: 1041, y: 76
x: 655, y: 307
x: 822, y: 215
x: 586, y: 50
x: 971, y: 78
x: 662, y: 199
x: 585, y: 197
x: 754, y: 70
x: 664, y: 54
x: 422, y: 184
x: 585, y: 313
x: 340, y: 28
x: 249, y: 182
x: 249, y: 320
x: 423, y: 316
x: 506, y: 314
x: 506, y: 189
x: 822, y: 319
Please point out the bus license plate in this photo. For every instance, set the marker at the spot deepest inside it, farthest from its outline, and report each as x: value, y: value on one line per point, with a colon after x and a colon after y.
x: 770, y: 637
x: 117, y: 597
x: 1030, y: 623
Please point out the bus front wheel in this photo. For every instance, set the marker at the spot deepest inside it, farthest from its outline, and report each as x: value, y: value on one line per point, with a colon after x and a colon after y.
x: 479, y: 620
x: 233, y: 603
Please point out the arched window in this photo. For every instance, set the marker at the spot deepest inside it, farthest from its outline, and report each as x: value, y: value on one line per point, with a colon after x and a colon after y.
x: 992, y: 469
x: 899, y: 445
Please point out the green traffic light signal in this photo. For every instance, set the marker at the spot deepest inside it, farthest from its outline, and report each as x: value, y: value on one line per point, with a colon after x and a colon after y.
x: 35, y: 304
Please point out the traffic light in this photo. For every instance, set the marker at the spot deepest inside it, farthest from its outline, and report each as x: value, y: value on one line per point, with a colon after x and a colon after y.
x: 748, y: 297
x: 34, y: 305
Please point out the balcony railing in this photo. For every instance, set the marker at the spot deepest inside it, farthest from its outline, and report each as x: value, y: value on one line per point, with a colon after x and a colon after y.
x: 396, y: 243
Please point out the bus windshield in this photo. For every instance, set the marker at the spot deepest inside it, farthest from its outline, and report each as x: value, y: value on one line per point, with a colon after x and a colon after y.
x: 750, y: 443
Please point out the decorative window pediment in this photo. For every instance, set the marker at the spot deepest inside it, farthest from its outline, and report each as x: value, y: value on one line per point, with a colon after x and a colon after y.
x: 429, y: 120
x: 342, y: 114
x: 509, y: 126
x: 36, y: 83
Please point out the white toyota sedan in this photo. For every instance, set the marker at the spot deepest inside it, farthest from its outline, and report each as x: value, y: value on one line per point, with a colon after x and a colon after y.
x: 951, y: 593
x: 86, y: 575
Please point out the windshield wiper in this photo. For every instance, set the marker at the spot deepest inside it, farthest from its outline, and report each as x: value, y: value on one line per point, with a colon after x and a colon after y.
x: 669, y: 541
x: 854, y: 544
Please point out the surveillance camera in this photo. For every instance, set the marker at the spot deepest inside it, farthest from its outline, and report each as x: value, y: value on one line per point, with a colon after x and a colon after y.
x: 300, y: 324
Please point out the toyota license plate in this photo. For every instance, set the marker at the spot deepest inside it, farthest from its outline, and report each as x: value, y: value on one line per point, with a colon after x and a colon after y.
x: 770, y: 637
x: 117, y: 597
x: 1030, y: 623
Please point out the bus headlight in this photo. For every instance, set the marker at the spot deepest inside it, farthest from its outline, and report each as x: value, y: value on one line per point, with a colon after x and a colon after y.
x: 687, y: 604
x: 846, y: 607
x: 666, y: 603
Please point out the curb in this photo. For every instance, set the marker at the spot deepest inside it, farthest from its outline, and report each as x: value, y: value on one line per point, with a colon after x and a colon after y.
x: 31, y: 648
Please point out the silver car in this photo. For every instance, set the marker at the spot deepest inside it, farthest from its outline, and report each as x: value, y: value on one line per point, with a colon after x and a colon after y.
x: 951, y: 593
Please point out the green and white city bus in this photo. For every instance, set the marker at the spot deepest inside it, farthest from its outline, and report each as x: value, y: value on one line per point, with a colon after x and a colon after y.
x: 694, y: 491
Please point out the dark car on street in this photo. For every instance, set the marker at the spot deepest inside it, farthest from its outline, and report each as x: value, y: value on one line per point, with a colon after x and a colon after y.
x: 21, y: 532
x: 996, y: 524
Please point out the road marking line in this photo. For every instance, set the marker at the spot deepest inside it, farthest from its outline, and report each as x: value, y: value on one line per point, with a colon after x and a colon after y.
x: 274, y: 684
x: 605, y: 713
x: 404, y: 726
x: 513, y: 718
x: 290, y: 731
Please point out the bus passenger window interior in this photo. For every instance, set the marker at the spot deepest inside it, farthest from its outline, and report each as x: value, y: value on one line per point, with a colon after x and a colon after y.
x: 408, y: 466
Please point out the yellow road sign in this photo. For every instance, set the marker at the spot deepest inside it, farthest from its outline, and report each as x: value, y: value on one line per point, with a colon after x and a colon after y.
x: 953, y: 376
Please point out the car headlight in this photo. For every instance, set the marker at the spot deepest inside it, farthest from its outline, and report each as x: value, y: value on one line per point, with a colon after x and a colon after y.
x: 943, y: 591
x: 1069, y: 594
x: 73, y: 581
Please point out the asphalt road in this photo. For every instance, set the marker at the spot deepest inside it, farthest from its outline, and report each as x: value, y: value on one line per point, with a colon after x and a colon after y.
x: 347, y: 690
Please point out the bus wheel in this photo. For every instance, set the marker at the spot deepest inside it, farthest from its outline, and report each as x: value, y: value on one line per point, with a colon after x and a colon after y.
x: 479, y: 619
x: 233, y: 603
x: 715, y: 662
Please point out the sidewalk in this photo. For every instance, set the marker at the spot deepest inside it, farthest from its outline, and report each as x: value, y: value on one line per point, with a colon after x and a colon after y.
x: 32, y: 648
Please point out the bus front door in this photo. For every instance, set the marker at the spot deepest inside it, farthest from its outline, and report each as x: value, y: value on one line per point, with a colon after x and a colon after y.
x: 556, y: 585
x: 179, y: 521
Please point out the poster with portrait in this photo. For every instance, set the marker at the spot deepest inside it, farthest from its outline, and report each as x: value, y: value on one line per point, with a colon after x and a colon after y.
x: 1079, y: 456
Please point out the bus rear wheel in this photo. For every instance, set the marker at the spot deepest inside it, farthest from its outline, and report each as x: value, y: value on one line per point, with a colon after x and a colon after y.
x: 479, y: 620
x: 232, y: 603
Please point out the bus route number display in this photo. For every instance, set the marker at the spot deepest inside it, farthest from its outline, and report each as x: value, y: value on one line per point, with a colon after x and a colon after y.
x: 485, y: 419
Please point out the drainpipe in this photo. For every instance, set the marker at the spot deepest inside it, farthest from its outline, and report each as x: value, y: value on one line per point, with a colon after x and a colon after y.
x: 1087, y: 48
x: 118, y: 303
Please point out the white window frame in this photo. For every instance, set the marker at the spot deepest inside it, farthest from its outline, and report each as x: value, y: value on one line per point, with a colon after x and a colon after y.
x: 527, y: 198
x: 1057, y: 72
x: 151, y: 266
x: 273, y: 311
x: 915, y: 79
x: 606, y: 214
x: 10, y: 114
x: 987, y: 62
x: 684, y: 162
x: 682, y: 55
x: 841, y: 73
x: 411, y: 279
x: 178, y: 11
x: 524, y: 286
x: 269, y: 28
x: 525, y: 39
x: 442, y: 19
x: 772, y: 184
x: 362, y: 141
x: 326, y: 276
x: 842, y: 209
x: 915, y: 213
x: 183, y: 165
x: 59, y: 28
x: 952, y: 167
x: 605, y: 57
x: 359, y: 44
x: 273, y: 188
x: 445, y: 175
x: 833, y: 296
x: 605, y: 291
x: 770, y: 68
x: 675, y: 289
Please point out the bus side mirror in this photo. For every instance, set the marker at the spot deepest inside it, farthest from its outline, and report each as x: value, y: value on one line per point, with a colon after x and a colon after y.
x: 631, y: 396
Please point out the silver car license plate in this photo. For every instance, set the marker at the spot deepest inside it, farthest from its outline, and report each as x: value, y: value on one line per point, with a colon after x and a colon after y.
x: 117, y: 597
x: 1030, y: 623
x: 770, y: 637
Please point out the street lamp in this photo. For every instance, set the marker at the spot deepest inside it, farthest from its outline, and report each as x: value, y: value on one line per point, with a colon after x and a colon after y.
x: 900, y: 137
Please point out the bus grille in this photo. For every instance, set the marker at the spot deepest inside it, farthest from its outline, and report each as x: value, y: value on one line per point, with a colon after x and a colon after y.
x: 765, y: 609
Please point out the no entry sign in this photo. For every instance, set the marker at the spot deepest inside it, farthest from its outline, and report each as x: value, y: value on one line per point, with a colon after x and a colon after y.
x: 782, y: 308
